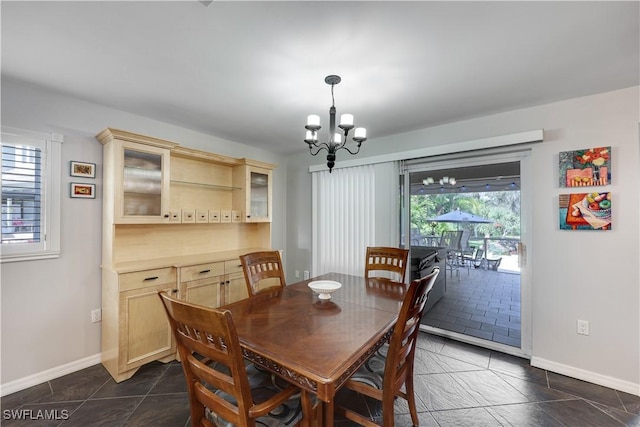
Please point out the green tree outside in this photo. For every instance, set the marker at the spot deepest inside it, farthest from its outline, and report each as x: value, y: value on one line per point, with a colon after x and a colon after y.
x: 503, y: 207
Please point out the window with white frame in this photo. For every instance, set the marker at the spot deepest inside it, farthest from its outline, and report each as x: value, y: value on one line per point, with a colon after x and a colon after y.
x: 30, y: 195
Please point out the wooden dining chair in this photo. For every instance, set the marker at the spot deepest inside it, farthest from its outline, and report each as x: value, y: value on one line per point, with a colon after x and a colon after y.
x: 211, y: 357
x: 263, y: 271
x: 398, y: 368
x: 389, y: 259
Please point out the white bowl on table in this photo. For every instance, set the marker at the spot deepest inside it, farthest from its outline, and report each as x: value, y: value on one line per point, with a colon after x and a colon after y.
x: 324, y: 288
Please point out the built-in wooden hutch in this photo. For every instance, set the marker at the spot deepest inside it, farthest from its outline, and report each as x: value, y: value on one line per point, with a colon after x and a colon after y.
x: 174, y: 219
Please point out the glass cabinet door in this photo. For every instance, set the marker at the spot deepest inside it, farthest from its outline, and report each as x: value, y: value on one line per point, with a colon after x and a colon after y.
x: 142, y: 183
x: 259, y: 195
x: 254, y: 193
x: 143, y: 187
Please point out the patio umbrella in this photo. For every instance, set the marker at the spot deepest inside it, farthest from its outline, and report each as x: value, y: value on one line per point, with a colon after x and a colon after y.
x: 459, y: 216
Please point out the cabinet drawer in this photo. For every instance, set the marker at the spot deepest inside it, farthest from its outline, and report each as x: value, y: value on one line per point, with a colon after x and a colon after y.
x: 201, y: 271
x: 233, y: 266
x: 141, y: 279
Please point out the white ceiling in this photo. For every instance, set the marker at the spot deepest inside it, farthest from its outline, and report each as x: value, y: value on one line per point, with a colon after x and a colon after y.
x: 252, y: 71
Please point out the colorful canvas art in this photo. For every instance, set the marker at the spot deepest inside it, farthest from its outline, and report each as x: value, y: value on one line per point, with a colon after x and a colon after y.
x: 585, y: 211
x: 585, y: 168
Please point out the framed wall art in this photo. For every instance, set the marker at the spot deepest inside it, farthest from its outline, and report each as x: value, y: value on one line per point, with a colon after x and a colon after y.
x: 83, y: 191
x: 585, y: 168
x: 83, y: 169
x: 585, y: 211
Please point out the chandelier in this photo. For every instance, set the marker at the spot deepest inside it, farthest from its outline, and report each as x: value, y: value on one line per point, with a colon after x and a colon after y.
x: 335, y: 138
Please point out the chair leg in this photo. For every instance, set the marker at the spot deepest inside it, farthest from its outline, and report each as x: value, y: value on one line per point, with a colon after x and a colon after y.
x: 388, y: 417
x: 411, y: 399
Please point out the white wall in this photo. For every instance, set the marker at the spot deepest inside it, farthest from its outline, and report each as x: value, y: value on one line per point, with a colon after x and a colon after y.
x: 575, y: 274
x: 46, y: 305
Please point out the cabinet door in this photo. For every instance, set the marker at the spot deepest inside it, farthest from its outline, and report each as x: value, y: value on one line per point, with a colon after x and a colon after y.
x: 235, y: 288
x: 204, y: 292
x: 144, y: 329
x: 141, y: 184
x: 201, y: 283
x: 254, y: 198
x: 259, y: 195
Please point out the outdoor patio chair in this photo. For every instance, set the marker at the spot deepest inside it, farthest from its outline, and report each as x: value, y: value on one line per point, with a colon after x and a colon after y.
x: 474, y: 259
x: 451, y: 240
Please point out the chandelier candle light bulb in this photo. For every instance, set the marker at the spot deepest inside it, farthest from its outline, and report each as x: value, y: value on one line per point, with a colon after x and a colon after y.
x: 335, y: 139
x: 360, y: 134
x: 346, y: 120
x: 311, y: 136
x: 313, y: 121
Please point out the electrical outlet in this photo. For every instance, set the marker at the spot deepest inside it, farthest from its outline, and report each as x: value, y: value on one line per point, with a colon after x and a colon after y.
x: 583, y: 327
x: 306, y: 275
x: 297, y: 274
x: 96, y: 315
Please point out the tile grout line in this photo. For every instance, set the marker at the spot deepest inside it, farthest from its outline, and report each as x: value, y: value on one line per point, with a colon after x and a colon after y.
x: 166, y: 369
x: 620, y: 400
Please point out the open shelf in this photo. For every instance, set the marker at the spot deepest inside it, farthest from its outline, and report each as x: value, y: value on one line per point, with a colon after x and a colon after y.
x: 213, y: 186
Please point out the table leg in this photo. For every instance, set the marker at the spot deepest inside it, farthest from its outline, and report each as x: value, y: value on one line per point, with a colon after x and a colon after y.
x: 328, y: 413
x: 312, y: 413
x: 319, y: 414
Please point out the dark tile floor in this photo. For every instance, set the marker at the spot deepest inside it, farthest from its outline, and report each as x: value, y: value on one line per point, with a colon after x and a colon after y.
x: 456, y: 385
x: 480, y: 303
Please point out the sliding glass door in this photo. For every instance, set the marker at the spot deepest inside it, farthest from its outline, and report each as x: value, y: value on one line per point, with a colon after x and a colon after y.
x: 465, y: 213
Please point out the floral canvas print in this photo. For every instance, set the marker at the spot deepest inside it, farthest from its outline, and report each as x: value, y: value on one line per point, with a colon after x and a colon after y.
x: 585, y: 168
x: 585, y: 211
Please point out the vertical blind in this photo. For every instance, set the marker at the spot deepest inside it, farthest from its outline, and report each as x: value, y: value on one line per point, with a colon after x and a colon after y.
x: 21, y: 193
x: 353, y: 208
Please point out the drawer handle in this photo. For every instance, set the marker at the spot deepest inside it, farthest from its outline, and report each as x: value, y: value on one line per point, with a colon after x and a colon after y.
x: 147, y: 279
x: 205, y: 271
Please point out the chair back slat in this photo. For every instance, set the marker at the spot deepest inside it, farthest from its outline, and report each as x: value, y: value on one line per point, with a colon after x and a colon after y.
x: 263, y: 271
x: 394, y: 260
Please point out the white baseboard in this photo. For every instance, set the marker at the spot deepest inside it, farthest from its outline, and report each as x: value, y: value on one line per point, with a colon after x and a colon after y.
x: 49, y: 374
x: 592, y: 377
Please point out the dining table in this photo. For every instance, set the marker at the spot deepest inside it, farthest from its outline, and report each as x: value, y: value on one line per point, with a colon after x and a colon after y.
x: 318, y: 344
